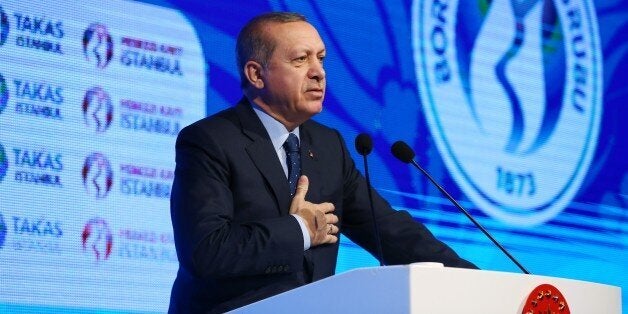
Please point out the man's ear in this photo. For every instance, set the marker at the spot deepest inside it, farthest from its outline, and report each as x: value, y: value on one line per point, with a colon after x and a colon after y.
x: 253, y: 73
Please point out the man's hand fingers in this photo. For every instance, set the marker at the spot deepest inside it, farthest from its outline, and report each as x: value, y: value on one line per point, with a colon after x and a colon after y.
x: 323, y: 237
x: 333, y: 229
x: 321, y: 222
x: 331, y: 218
x: 320, y: 215
x: 331, y: 238
x: 299, y: 196
x: 302, y: 186
x: 326, y: 207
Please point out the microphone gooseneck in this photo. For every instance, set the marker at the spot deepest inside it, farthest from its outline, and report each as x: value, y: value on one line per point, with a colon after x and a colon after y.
x: 403, y: 152
x: 364, y: 146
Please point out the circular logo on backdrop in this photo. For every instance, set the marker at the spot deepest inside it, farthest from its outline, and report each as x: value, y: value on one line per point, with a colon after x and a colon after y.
x: 4, y: 94
x: 97, y: 45
x: 97, y: 175
x: 4, y: 163
x: 97, y: 109
x: 97, y: 238
x: 512, y: 94
x: 4, y: 26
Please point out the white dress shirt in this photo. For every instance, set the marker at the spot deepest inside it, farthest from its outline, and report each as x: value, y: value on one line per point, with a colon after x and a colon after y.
x: 278, y: 135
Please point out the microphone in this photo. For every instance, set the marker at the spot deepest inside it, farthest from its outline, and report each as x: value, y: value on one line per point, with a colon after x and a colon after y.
x: 403, y: 152
x: 364, y: 146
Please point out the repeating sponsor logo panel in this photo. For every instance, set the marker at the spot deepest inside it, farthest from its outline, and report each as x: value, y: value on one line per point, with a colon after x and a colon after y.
x: 90, y: 106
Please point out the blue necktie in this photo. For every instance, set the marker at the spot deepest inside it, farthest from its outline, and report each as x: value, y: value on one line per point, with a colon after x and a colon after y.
x: 294, y: 161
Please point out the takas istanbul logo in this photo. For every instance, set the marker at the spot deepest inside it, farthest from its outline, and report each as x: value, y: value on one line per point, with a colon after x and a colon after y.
x: 512, y: 94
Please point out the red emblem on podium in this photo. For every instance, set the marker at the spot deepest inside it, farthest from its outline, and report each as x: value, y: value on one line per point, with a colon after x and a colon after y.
x: 545, y: 299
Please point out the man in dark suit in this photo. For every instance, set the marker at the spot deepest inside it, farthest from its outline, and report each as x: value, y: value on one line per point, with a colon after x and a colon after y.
x: 261, y: 191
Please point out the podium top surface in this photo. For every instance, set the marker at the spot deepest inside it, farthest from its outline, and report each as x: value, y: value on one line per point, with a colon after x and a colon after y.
x: 426, y: 289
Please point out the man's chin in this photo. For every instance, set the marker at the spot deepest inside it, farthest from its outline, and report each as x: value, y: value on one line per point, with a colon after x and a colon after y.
x: 308, y: 109
x: 315, y: 108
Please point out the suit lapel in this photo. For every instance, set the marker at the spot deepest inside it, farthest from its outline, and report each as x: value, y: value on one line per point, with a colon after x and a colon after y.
x: 263, y: 155
x: 309, y: 163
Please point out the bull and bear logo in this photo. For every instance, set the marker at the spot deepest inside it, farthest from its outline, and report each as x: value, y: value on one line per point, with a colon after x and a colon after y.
x: 512, y: 94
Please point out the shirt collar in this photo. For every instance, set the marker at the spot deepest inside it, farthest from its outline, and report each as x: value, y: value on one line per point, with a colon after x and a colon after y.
x: 277, y: 131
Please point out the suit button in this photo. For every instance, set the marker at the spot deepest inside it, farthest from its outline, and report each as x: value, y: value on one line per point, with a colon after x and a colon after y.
x: 268, y: 270
x: 286, y: 268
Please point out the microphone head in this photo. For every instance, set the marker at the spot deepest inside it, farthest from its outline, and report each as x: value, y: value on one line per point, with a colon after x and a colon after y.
x: 402, y: 151
x: 363, y: 144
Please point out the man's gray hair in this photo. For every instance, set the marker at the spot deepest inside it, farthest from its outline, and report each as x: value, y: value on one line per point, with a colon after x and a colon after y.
x: 254, y: 44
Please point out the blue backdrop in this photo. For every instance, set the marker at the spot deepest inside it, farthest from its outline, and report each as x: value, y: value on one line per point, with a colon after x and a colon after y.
x: 516, y: 108
x: 372, y: 87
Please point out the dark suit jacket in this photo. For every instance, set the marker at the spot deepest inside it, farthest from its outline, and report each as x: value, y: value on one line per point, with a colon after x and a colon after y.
x: 235, y: 239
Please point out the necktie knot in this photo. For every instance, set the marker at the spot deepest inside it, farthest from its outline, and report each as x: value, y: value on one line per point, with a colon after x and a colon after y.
x: 292, y: 144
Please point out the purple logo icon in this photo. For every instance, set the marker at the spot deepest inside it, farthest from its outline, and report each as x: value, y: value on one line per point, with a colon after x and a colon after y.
x: 97, y: 109
x: 97, y: 175
x: 98, y: 45
x: 97, y: 238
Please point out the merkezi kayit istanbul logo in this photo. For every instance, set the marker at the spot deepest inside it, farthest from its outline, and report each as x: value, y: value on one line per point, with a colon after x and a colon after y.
x: 512, y: 94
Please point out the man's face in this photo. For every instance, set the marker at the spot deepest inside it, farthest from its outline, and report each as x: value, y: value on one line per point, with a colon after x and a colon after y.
x: 294, y: 78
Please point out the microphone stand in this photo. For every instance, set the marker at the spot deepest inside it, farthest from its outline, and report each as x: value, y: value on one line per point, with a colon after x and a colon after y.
x: 477, y: 224
x: 368, y: 188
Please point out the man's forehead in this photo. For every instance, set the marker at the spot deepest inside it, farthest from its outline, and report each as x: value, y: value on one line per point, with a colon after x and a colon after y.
x: 303, y: 36
x: 292, y: 29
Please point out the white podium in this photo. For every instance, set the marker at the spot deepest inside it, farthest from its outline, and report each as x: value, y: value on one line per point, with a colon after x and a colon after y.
x: 423, y: 289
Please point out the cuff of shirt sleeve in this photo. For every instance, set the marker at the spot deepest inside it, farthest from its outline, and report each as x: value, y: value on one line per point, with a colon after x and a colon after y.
x: 306, y: 234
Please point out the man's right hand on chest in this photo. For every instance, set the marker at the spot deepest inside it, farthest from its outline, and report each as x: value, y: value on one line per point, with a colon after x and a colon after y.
x: 319, y: 218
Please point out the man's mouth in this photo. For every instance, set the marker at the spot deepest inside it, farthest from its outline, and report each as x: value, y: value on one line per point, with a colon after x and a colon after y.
x: 315, y: 90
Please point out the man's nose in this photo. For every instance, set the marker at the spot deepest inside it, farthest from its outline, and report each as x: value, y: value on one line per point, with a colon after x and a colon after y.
x: 317, y: 72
